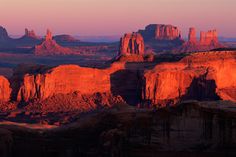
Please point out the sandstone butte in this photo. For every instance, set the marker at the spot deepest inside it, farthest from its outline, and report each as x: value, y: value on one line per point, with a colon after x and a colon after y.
x: 5, y: 90
x: 160, y: 32
x: 132, y: 43
x: 200, y: 76
x: 50, y: 47
x: 208, y: 41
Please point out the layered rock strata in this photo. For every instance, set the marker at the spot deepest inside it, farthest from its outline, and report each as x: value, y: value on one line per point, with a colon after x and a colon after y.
x: 200, y: 76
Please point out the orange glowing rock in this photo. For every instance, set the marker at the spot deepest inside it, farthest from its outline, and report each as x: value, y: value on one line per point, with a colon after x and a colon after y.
x: 200, y: 76
x: 5, y: 90
x: 192, y: 36
x: 132, y: 44
x: 66, y: 79
x: 208, y: 41
x: 160, y: 32
x: 209, y: 38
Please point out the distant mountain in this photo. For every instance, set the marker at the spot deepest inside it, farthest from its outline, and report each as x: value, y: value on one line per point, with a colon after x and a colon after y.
x: 108, y: 39
x: 227, y: 39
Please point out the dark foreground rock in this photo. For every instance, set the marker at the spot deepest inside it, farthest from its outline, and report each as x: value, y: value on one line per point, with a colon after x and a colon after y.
x: 191, y: 129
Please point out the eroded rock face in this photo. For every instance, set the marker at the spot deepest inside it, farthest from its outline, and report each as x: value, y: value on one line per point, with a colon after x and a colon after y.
x: 208, y: 41
x: 132, y: 44
x: 160, y: 32
x: 201, y: 76
x: 66, y: 79
x: 50, y: 47
x: 5, y: 90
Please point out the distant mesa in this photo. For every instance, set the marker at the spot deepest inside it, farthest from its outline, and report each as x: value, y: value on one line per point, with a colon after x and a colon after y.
x: 132, y: 43
x: 30, y: 34
x: 160, y: 32
x: 208, y: 41
x: 64, y: 38
x: 160, y: 37
x: 209, y: 38
x: 50, y: 47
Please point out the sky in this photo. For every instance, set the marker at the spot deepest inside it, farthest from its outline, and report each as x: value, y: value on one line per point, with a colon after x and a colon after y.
x: 116, y: 17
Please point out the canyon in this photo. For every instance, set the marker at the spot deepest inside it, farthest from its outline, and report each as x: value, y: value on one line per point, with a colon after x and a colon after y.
x: 152, y: 93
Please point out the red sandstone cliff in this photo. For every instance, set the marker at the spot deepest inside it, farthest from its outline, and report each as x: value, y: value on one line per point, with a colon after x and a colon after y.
x: 200, y: 76
x: 132, y: 44
x: 66, y: 79
x: 50, y: 47
x: 5, y: 90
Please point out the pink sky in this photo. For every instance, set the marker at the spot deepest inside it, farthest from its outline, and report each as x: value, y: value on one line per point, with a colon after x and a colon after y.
x: 115, y: 17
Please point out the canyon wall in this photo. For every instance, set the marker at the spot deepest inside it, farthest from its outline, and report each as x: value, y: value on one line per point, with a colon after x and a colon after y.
x: 200, y: 76
x: 65, y: 79
x: 132, y: 44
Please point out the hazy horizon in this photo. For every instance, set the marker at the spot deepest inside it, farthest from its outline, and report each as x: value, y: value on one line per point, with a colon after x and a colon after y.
x: 116, y: 17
